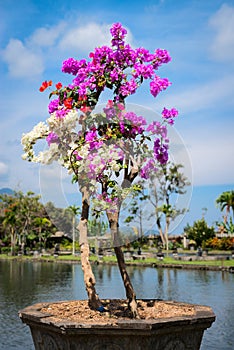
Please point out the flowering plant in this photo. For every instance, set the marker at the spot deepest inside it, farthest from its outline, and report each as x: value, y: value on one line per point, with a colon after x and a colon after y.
x: 108, y: 150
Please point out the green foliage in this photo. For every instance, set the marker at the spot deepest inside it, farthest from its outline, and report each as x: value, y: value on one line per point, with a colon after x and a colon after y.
x: 24, y: 221
x: 17, y: 216
x: 62, y: 218
x: 97, y: 227
x: 199, y: 232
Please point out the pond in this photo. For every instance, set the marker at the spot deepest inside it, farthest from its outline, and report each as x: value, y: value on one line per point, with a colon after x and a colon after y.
x: 26, y: 283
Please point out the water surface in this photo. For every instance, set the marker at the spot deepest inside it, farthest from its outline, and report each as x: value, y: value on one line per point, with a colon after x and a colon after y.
x: 26, y: 283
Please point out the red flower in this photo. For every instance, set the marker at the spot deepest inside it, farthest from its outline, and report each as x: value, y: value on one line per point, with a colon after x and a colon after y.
x: 45, y: 85
x: 68, y: 103
x: 58, y: 86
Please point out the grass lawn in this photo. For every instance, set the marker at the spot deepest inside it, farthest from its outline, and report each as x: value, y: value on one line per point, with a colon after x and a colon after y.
x: 112, y: 259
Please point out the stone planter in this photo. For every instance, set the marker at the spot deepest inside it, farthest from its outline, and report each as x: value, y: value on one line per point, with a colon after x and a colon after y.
x: 171, y: 333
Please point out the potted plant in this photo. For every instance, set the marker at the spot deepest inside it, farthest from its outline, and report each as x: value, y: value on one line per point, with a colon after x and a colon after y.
x: 107, y: 152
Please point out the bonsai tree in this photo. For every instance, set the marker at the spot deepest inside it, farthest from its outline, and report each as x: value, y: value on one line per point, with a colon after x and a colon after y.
x: 104, y: 151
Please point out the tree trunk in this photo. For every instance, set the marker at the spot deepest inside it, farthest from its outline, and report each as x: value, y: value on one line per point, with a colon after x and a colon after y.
x: 166, y: 233
x: 13, y: 241
x: 161, y: 232
x: 89, y: 279
x: 73, y: 236
x: 113, y: 219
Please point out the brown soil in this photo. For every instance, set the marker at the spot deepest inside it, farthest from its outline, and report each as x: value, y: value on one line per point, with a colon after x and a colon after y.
x: 79, y: 310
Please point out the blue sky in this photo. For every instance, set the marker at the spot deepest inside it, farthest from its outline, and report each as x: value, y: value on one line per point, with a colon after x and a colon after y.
x: 35, y: 37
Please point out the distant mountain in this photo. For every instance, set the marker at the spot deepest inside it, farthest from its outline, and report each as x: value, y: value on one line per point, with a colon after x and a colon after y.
x: 6, y: 191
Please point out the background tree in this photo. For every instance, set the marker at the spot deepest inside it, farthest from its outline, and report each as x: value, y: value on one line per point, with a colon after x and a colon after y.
x: 30, y: 207
x: 226, y: 201
x: 166, y: 185
x: 24, y: 219
x: 229, y: 226
x: 60, y: 217
x: 10, y: 221
x: 137, y: 210
x: 18, y: 212
x: 97, y: 226
x: 200, y: 232
x: 42, y: 225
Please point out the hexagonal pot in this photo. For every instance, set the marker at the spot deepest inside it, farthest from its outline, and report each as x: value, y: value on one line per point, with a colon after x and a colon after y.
x: 170, y: 333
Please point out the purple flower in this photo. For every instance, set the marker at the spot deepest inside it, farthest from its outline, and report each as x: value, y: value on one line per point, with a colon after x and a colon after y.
x: 91, y: 138
x: 148, y: 169
x: 78, y: 157
x: 135, y: 119
x: 158, y: 84
x: 160, y: 57
x: 110, y: 112
x: 116, y: 74
x: 161, y: 151
x: 118, y: 33
x: 128, y: 88
x: 82, y: 90
x: 143, y: 55
x: 169, y: 115
x: 80, y: 78
x: 72, y: 66
x: 53, y: 106
x: 146, y: 71
x: 52, y: 138
x: 61, y: 113
x: 157, y: 128
x: 91, y: 135
x: 122, y: 127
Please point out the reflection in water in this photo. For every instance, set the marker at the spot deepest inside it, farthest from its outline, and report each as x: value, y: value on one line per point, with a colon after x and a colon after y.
x: 26, y: 283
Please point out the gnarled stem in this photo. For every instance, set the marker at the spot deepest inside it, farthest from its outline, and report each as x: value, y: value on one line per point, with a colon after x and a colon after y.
x: 89, y: 279
x: 130, y: 293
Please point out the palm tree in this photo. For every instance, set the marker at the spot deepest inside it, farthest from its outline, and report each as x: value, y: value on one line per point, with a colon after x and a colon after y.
x: 226, y: 200
x: 42, y: 224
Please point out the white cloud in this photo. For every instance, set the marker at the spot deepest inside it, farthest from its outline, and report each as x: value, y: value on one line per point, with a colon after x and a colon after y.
x: 223, y: 22
x: 86, y: 37
x: 28, y: 59
x: 3, y: 168
x: 22, y: 62
x: 47, y: 36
